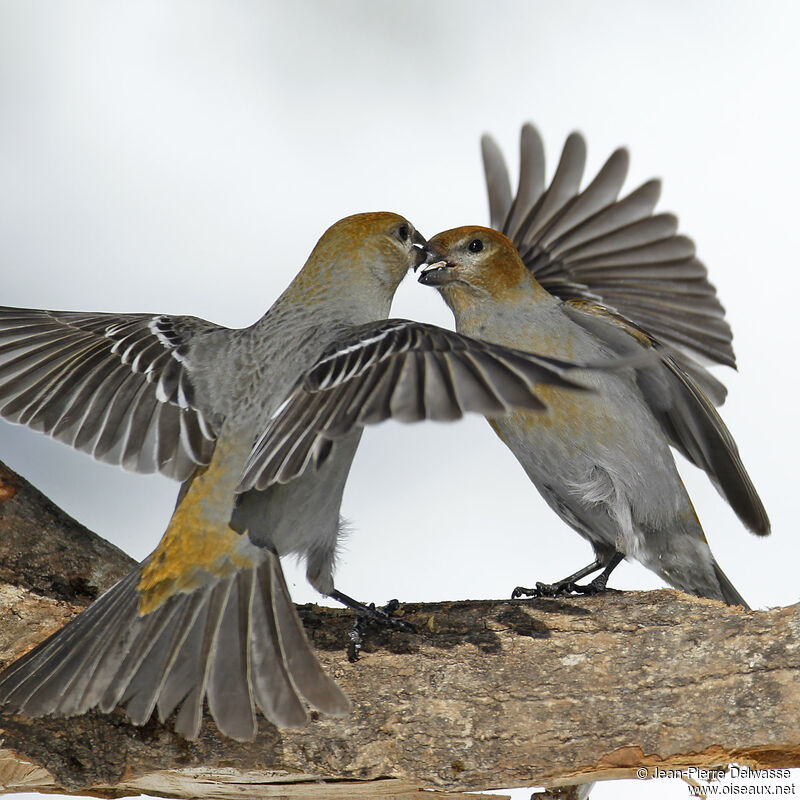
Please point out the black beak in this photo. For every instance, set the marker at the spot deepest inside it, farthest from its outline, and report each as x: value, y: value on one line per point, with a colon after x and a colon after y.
x: 437, y: 271
x: 423, y: 251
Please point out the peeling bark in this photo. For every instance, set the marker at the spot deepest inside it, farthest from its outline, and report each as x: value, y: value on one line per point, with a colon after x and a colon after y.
x: 551, y: 692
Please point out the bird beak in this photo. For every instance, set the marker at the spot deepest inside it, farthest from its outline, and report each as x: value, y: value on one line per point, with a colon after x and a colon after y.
x: 423, y: 251
x: 437, y: 271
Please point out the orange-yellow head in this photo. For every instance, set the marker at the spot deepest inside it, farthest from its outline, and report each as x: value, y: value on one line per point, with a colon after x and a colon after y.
x: 364, y: 256
x: 473, y: 265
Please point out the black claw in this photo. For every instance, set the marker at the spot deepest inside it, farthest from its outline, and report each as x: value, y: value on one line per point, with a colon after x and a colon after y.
x: 562, y: 589
x: 558, y: 589
x: 598, y: 585
x: 365, y: 615
x: 569, y: 585
x: 383, y: 616
x: 541, y: 590
x: 356, y: 640
x: 391, y: 606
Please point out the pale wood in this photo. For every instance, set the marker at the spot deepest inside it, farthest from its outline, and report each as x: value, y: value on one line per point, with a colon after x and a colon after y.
x: 486, y: 694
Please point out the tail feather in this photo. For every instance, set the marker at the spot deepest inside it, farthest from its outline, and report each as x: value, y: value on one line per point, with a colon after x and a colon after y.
x: 140, y: 676
x: 179, y: 680
x: 684, y: 560
x: 27, y: 682
x: 230, y: 697
x: 190, y: 714
x: 236, y: 641
x: 703, y: 578
x: 77, y: 679
x: 124, y: 666
x: 303, y: 668
x: 729, y: 593
x: 273, y: 690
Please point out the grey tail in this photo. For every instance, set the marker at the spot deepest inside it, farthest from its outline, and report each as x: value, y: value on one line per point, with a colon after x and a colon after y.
x: 729, y: 593
x: 236, y: 642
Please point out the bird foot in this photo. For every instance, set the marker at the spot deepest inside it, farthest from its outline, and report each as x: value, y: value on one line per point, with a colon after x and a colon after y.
x: 562, y: 588
x: 367, y: 615
x: 384, y: 616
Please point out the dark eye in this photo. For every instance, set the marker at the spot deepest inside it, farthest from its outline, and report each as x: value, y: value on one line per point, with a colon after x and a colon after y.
x: 402, y: 232
x: 475, y: 246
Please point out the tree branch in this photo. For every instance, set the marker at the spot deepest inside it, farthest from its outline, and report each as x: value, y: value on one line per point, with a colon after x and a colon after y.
x: 485, y: 694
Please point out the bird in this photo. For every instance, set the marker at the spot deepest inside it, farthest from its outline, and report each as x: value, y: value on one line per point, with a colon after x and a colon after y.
x: 583, y: 275
x: 207, y: 616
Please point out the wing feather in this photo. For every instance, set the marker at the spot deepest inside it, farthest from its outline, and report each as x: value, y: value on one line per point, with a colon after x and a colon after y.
x: 396, y: 369
x: 497, y: 182
x: 114, y: 385
x: 684, y: 409
x: 575, y: 242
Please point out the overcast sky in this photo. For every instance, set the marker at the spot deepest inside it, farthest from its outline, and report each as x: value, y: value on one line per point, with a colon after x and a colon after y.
x: 184, y: 157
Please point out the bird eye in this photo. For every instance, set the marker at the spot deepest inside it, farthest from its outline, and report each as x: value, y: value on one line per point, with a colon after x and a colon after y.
x: 475, y: 246
x: 403, y: 233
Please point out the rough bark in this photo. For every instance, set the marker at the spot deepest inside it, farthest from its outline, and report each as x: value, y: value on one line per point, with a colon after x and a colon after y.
x: 548, y: 692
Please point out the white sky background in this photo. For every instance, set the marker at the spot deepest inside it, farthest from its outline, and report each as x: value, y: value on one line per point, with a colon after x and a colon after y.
x: 184, y: 157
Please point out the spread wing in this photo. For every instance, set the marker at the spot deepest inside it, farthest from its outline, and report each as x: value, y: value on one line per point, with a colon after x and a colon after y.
x: 591, y: 245
x: 115, y: 386
x: 405, y: 370
x: 686, y: 415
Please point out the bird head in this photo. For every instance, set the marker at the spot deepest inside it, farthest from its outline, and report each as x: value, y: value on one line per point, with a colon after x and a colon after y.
x: 363, y: 258
x: 472, y: 265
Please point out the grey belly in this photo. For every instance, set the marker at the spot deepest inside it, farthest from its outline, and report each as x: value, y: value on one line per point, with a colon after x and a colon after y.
x: 302, y: 516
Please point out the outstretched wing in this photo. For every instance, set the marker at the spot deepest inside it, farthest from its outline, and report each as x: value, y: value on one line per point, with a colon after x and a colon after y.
x: 396, y: 368
x: 115, y: 386
x: 686, y: 415
x: 591, y: 245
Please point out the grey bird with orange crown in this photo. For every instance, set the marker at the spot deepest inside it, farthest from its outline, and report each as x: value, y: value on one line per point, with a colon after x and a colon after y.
x: 207, y: 615
x: 584, y: 275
